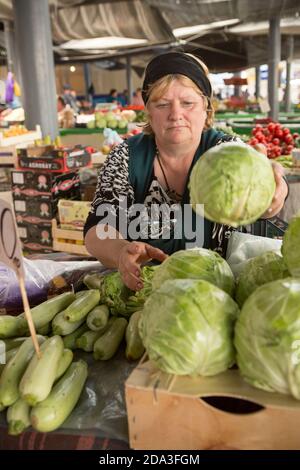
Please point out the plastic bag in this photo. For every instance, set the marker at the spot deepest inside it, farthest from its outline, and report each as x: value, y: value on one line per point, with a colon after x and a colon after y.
x: 243, y: 246
x: 43, y: 279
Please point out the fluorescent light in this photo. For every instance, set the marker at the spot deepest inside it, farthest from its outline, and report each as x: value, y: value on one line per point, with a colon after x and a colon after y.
x: 72, y: 68
x: 102, y: 43
x: 186, y: 31
x: 263, y: 26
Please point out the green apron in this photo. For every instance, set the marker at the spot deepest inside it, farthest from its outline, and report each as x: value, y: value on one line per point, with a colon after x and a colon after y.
x: 142, y: 151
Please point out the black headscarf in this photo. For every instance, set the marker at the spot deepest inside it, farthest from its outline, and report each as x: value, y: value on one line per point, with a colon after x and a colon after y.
x: 173, y: 63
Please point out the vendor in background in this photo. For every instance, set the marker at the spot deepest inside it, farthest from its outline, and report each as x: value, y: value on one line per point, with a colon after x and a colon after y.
x: 113, y: 96
x: 153, y: 168
x: 137, y: 99
x: 69, y: 97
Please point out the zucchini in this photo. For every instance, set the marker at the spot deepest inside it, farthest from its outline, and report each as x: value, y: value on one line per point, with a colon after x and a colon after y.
x: 40, y: 374
x: 46, y: 311
x: 64, y: 362
x: 9, y: 326
x: 63, y: 327
x: 98, y: 317
x: 93, y: 281
x: 70, y: 340
x: 82, y: 305
x: 14, y: 370
x: 10, y: 353
x: 134, y: 345
x: 49, y: 414
x: 88, y: 339
x: 44, y: 330
x: 13, y: 343
x: 107, y: 345
x: 18, y: 417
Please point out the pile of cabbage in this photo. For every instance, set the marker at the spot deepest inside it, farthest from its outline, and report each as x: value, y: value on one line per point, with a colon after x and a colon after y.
x: 267, y: 332
x: 197, y: 319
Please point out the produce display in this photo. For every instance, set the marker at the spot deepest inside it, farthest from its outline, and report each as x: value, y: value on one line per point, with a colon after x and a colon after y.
x: 186, y: 318
x: 232, y: 184
x: 112, y: 119
x: 277, y: 139
x: 291, y: 246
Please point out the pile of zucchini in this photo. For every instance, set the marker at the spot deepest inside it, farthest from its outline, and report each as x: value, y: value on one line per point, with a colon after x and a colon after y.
x: 43, y: 392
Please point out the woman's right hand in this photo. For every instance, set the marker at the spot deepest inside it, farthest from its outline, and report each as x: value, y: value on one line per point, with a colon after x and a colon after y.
x: 131, y: 256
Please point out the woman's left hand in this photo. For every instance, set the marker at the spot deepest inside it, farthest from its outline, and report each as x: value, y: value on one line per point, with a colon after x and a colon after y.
x: 281, y: 190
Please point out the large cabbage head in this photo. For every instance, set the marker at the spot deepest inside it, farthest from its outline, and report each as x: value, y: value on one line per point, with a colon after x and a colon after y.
x: 197, y: 263
x: 264, y: 268
x: 291, y: 246
x: 267, y: 337
x: 234, y: 182
x: 187, y: 327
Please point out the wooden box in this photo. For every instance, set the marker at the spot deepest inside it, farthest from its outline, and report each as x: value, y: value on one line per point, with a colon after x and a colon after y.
x: 68, y: 241
x: 180, y: 412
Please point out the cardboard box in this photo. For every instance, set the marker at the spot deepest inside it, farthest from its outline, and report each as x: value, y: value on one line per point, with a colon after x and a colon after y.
x: 52, y: 159
x: 73, y: 214
x: 36, y: 238
x: 34, y: 210
x: 180, y: 412
x: 41, y: 184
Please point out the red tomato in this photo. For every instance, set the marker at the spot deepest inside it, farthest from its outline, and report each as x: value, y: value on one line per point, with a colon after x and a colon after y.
x: 271, y: 127
x: 285, y: 130
x: 288, y: 139
x: 296, y: 135
x: 276, y: 141
x: 289, y: 148
x: 278, y: 133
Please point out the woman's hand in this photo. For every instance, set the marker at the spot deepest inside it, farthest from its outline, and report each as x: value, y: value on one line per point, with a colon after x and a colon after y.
x: 131, y: 257
x: 281, y: 192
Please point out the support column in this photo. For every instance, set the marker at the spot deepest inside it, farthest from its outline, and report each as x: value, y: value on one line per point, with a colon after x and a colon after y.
x: 274, y: 59
x: 237, y: 88
x: 34, y: 47
x: 87, y: 80
x: 257, y: 82
x: 289, y: 60
x: 129, y: 78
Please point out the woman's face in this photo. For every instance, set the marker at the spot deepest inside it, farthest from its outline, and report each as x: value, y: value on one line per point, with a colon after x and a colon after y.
x: 178, y: 117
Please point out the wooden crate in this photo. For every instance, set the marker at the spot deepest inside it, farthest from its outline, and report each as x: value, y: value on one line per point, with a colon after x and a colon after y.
x: 169, y: 412
x: 72, y: 235
x: 21, y: 139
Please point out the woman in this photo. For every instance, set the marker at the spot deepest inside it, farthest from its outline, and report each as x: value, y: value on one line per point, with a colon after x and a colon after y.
x: 152, y: 170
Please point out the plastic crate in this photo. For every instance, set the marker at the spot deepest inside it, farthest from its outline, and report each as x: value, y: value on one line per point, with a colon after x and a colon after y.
x: 271, y: 228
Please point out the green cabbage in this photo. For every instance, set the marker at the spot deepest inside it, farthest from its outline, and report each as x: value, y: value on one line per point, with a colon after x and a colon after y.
x: 258, y: 271
x: 187, y: 327
x: 234, y: 182
x: 291, y: 246
x: 119, y: 298
x: 267, y: 337
x: 197, y: 263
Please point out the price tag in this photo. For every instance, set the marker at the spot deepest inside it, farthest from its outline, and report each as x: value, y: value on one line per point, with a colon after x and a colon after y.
x: 11, y: 256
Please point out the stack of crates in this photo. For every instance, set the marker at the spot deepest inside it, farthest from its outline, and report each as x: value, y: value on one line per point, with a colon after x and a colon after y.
x: 35, y: 197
